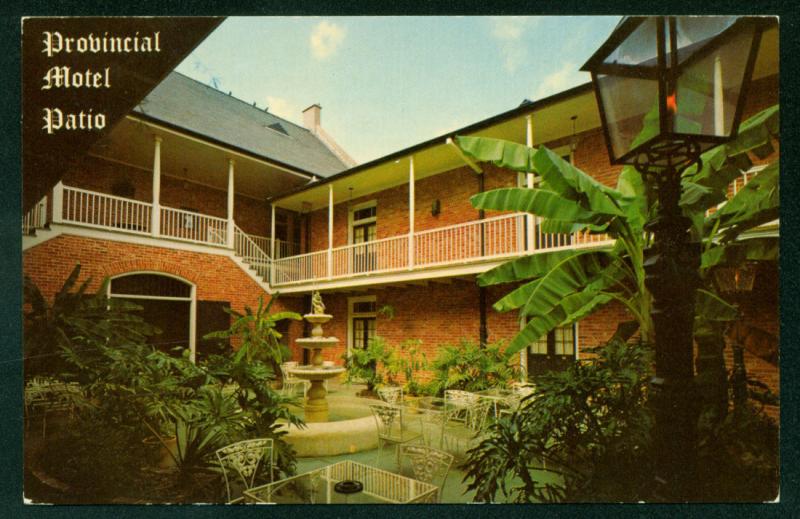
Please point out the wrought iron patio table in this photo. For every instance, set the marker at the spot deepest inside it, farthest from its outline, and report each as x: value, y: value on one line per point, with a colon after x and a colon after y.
x: 318, y: 487
x: 499, y: 396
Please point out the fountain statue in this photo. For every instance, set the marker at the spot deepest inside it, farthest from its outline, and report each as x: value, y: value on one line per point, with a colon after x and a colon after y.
x: 316, y: 404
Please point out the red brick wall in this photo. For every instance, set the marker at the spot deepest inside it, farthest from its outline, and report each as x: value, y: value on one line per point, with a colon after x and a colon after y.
x: 440, y: 314
x: 217, y: 278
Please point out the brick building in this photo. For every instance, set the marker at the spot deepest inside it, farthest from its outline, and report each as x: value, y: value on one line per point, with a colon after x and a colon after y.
x: 198, y: 201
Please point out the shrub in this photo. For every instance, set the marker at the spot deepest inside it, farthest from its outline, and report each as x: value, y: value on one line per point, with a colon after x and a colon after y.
x: 470, y: 367
x: 374, y: 365
x: 590, y: 426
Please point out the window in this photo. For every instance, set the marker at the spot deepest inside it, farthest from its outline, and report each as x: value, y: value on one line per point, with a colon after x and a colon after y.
x: 361, y: 322
x: 553, y: 352
x: 168, y: 303
x: 363, y: 229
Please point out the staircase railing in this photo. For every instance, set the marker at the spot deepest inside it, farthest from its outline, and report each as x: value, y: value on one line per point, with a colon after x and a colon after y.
x: 247, y: 249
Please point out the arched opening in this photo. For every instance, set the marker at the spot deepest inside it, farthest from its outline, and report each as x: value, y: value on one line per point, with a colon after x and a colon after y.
x: 168, y: 302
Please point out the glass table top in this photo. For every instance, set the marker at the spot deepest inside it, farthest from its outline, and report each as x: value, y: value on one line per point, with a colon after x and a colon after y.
x: 319, y: 487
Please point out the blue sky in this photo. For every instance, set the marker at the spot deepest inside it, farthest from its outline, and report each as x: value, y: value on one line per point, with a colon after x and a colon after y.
x: 386, y: 83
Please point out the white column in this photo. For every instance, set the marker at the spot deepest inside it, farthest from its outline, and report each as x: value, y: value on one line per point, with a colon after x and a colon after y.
x: 719, y: 106
x: 272, y: 245
x: 529, y: 218
x: 411, y: 198
x: 193, y: 325
x: 330, y: 231
x: 58, y: 203
x: 155, y: 215
x: 230, y: 203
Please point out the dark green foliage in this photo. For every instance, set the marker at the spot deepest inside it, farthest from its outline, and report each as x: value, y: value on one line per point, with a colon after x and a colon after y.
x: 590, y: 426
x: 471, y: 367
x: 132, y: 390
x: 76, y: 322
x: 738, y: 457
x: 373, y: 365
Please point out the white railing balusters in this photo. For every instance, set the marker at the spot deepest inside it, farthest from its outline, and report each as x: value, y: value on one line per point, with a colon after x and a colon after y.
x: 88, y: 208
x: 36, y: 218
x: 194, y: 227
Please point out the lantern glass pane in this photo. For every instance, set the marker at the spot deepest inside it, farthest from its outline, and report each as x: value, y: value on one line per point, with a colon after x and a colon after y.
x: 709, y: 86
x: 694, y: 32
x: 639, y: 48
x: 631, y: 110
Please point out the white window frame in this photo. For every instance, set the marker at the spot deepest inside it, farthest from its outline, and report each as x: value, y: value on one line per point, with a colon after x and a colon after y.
x: 192, y: 299
x: 352, y: 222
x: 351, y: 313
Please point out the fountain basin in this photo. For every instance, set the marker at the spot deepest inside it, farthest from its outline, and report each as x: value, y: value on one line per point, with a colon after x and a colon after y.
x: 318, y: 318
x: 317, y: 342
x: 311, y: 372
x: 339, y: 437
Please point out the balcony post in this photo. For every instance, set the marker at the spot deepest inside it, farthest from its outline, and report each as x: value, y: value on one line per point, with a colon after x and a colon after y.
x: 230, y: 203
x: 529, y: 218
x: 411, y: 198
x: 155, y: 215
x: 58, y: 202
x: 330, y: 231
x: 272, y: 245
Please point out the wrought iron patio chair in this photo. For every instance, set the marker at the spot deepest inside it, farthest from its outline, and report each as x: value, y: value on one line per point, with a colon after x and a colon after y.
x: 290, y: 382
x: 427, y: 464
x: 457, y: 402
x: 241, y: 462
x: 468, y: 434
x: 390, y: 430
x: 391, y: 394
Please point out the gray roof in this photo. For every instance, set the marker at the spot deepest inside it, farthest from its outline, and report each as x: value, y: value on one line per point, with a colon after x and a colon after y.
x: 188, y: 104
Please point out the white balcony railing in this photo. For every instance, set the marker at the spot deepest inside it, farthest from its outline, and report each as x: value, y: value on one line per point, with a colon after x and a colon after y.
x: 101, y: 210
x: 489, y: 238
x: 36, y: 218
x: 386, y: 255
x: 482, y: 240
x: 194, y: 227
x: 301, y: 268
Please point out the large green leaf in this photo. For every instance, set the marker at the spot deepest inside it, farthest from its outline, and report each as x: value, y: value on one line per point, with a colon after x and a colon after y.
x: 572, y: 183
x: 537, y: 201
x: 552, y: 226
x: 528, y: 267
x: 572, y: 309
x: 737, y: 252
x: 631, y: 185
x: 505, y: 154
x: 572, y: 274
x: 711, y: 307
x: 755, y: 204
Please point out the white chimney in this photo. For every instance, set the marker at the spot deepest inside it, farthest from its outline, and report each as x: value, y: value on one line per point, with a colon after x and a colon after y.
x: 311, y: 117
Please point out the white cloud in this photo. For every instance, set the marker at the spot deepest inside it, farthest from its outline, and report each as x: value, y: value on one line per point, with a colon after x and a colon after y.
x: 283, y: 108
x: 509, y: 32
x: 508, y: 27
x: 325, y: 39
x: 565, y: 77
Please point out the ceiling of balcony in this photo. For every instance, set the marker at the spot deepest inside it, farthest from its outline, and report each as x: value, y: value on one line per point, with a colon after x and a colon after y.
x: 131, y: 142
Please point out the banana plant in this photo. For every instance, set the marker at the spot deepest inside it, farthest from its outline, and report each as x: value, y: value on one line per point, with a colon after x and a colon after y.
x: 560, y: 287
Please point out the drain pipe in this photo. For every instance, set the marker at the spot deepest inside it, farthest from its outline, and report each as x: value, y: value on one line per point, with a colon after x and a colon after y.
x: 483, y: 333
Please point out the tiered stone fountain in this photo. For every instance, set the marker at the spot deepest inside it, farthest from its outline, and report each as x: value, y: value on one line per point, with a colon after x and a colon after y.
x: 316, y: 404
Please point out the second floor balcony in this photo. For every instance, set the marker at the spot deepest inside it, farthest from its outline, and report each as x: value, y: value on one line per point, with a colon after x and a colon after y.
x: 475, y: 242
